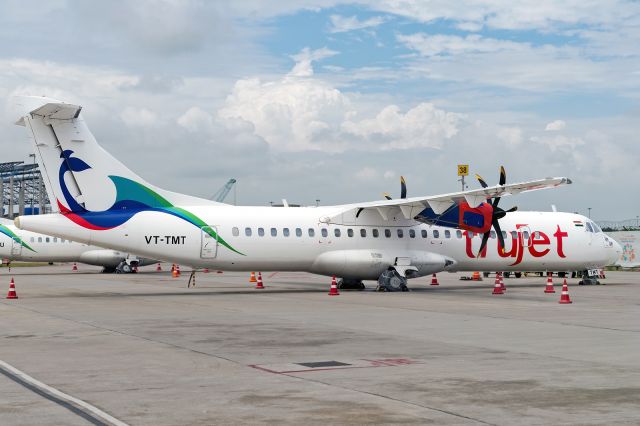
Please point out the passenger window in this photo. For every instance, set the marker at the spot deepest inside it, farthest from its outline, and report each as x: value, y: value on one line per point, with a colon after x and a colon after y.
x: 234, y: 231
x: 247, y: 232
x: 514, y: 235
x: 424, y: 233
x: 470, y: 234
x: 387, y: 233
x: 459, y: 234
x: 536, y: 235
x: 47, y: 239
x: 261, y: 232
x: 447, y: 233
x: 436, y: 234
x: 400, y: 233
x: 285, y: 232
x: 375, y: 233
x: 298, y: 232
x: 350, y: 232
x: 526, y: 235
x: 325, y: 233
x: 412, y: 233
x: 363, y: 233
x: 493, y: 234
x: 55, y: 239
x: 33, y: 240
x: 274, y: 232
x: 312, y: 232
x: 62, y: 240
x: 39, y: 239
x: 504, y: 235
x: 336, y: 232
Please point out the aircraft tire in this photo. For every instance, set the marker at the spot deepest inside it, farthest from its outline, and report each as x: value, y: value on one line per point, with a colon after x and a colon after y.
x: 350, y: 284
x: 390, y: 280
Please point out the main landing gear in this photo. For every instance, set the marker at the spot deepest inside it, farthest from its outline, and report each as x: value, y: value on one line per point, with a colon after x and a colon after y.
x: 391, y: 280
x: 350, y: 284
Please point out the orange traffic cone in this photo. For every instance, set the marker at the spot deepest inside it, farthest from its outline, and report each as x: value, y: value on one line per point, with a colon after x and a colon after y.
x: 252, y: 278
x: 334, y: 287
x: 476, y: 276
x: 178, y: 270
x: 259, y: 286
x: 549, y: 288
x: 158, y: 268
x: 175, y: 271
x: 434, y: 280
x: 564, y: 296
x: 75, y: 267
x: 497, y: 288
x: 12, y: 291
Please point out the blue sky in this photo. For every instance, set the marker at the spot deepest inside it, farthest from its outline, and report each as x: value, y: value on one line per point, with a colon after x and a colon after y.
x: 335, y: 100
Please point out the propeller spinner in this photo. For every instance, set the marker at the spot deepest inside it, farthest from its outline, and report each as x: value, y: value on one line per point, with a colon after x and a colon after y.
x: 497, y: 214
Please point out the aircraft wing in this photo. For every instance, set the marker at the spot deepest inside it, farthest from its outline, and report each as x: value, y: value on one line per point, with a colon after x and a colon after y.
x: 411, y: 207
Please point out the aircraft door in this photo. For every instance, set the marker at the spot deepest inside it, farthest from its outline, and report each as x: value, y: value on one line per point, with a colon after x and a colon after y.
x: 209, y: 243
x: 16, y: 248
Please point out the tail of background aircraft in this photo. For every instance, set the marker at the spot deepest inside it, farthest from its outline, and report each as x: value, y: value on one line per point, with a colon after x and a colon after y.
x: 79, y: 175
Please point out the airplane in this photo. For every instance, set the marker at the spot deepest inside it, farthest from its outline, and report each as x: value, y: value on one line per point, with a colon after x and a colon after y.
x: 18, y: 245
x: 100, y: 201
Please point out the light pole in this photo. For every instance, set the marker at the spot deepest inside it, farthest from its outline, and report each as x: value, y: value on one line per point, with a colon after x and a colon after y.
x: 589, y: 208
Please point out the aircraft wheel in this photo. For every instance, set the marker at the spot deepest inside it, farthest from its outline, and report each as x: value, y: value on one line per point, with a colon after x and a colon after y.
x: 518, y: 274
x: 390, y: 280
x: 126, y: 268
x: 350, y: 284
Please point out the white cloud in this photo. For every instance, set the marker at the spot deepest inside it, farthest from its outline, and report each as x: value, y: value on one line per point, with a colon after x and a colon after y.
x: 512, y: 136
x: 139, y: 117
x: 438, y: 44
x: 299, y: 112
x: 389, y: 174
x: 423, y: 126
x: 305, y: 59
x: 555, y: 126
x: 366, y: 174
x: 340, y: 24
x: 558, y: 142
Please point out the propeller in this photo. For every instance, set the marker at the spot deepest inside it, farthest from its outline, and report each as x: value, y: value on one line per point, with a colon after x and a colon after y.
x: 498, y: 213
x: 403, y: 190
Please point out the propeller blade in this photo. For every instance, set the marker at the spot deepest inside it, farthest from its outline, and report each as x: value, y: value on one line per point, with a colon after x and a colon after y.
x: 512, y: 209
x: 482, y: 182
x: 387, y: 196
x: 403, y: 188
x: 503, y: 176
x: 485, y: 238
x: 496, y: 226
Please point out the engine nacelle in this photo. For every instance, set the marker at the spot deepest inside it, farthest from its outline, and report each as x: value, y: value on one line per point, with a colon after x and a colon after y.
x: 475, y: 219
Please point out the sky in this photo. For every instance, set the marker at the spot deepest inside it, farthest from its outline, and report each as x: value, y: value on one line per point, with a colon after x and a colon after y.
x: 334, y: 101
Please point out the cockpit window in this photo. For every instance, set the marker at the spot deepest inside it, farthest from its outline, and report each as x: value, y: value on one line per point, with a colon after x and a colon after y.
x: 596, y: 228
x: 589, y: 228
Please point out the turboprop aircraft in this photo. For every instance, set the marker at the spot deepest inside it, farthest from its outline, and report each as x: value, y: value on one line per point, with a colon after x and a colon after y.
x: 21, y: 245
x: 100, y: 201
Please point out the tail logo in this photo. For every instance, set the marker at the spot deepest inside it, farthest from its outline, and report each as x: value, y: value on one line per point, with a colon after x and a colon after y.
x: 131, y: 198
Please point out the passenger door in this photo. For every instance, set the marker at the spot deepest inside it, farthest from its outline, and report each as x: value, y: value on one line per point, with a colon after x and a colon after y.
x: 208, y: 243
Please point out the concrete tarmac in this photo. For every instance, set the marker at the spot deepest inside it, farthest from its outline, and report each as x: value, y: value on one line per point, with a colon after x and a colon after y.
x: 149, y: 351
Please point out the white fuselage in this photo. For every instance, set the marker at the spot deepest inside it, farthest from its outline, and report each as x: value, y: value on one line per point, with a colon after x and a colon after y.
x: 21, y: 245
x: 348, y: 247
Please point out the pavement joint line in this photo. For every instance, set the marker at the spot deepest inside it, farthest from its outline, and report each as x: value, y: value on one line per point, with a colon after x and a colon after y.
x: 426, y: 407
x: 75, y: 405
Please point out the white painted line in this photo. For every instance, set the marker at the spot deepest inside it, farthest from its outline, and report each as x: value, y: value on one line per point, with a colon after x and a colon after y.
x: 53, y: 391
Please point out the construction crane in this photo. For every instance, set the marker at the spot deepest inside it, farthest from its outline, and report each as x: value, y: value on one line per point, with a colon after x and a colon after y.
x: 222, y: 193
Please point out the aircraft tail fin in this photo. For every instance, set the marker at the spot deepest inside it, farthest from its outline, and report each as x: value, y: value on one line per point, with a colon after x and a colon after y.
x: 79, y: 175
